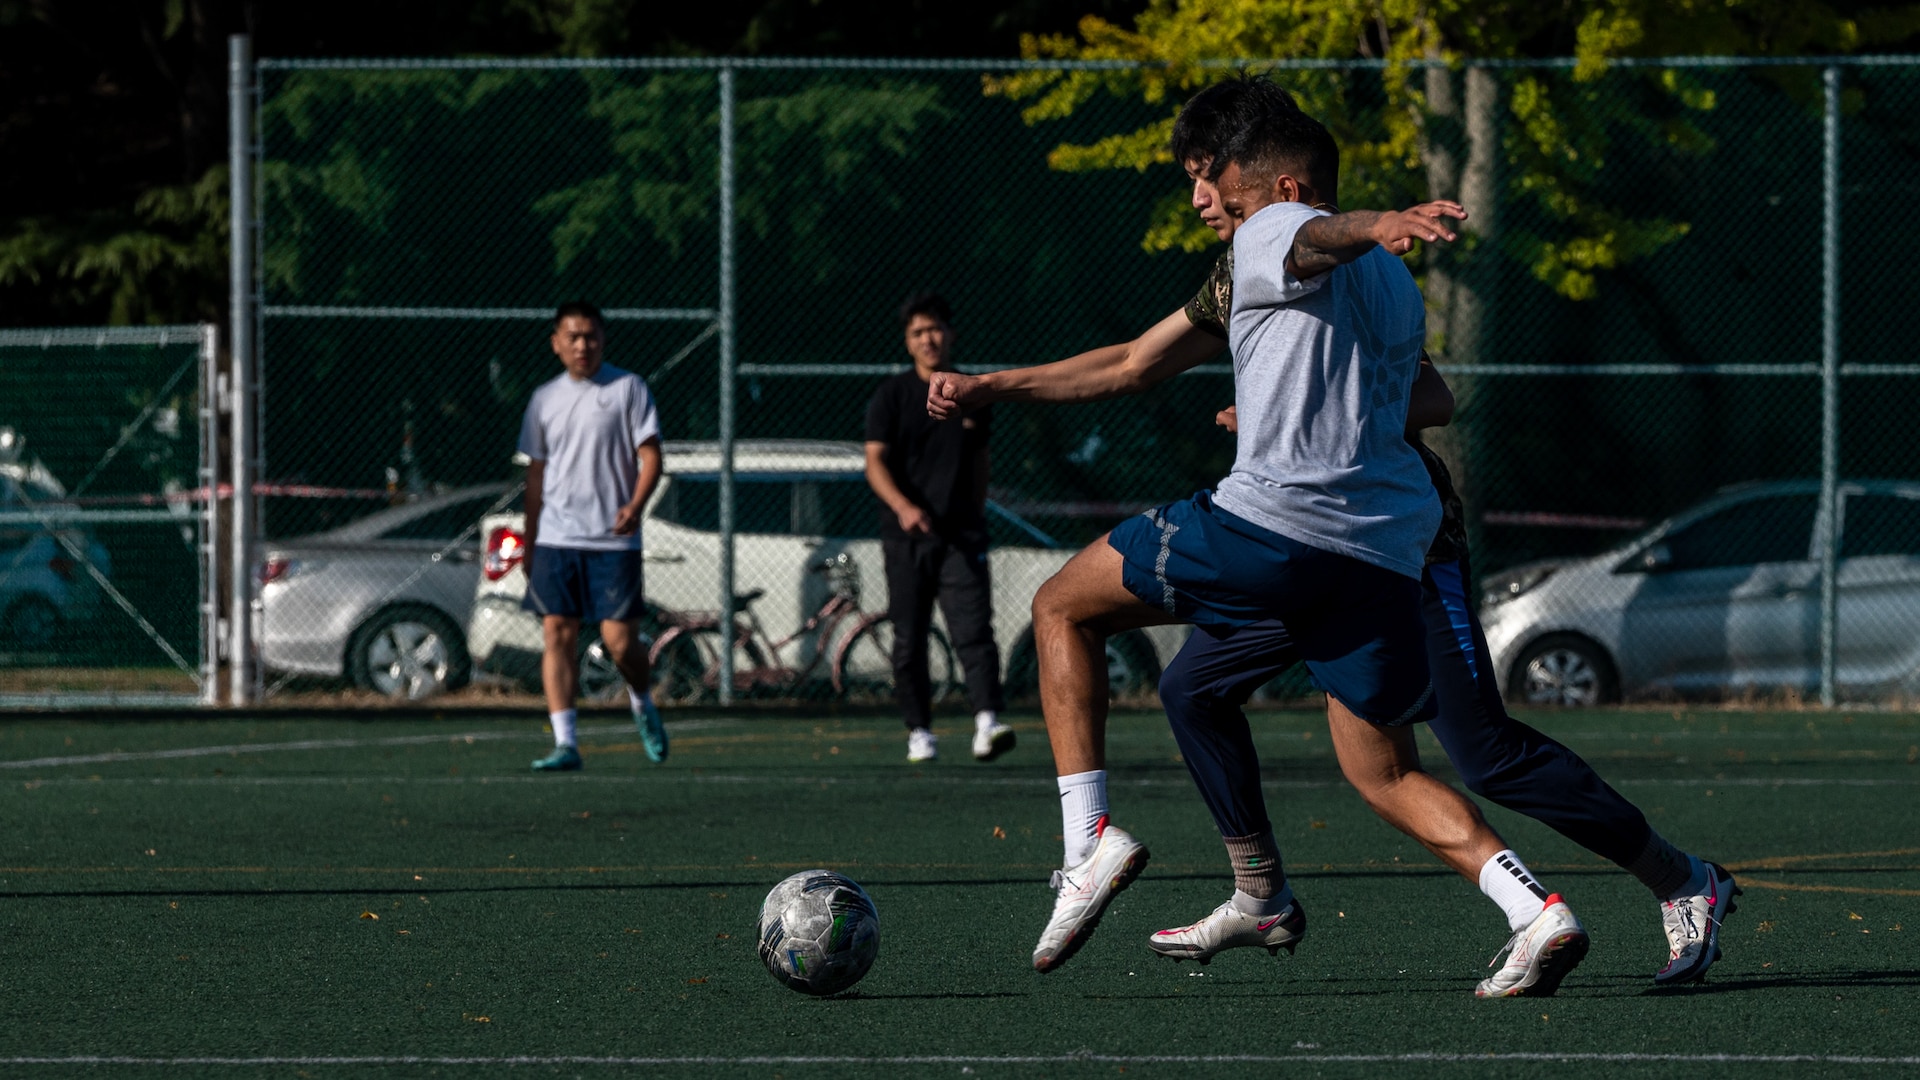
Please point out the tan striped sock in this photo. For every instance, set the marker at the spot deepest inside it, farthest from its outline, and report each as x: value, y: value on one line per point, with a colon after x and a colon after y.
x: 1256, y: 865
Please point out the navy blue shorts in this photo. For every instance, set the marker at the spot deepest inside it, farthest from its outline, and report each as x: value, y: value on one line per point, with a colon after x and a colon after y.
x: 1358, y: 626
x: 593, y: 586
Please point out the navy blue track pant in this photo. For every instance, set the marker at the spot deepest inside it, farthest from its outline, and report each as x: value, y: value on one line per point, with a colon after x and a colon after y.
x: 1497, y: 756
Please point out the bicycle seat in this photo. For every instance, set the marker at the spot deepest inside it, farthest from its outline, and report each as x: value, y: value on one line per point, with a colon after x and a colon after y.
x: 741, y: 600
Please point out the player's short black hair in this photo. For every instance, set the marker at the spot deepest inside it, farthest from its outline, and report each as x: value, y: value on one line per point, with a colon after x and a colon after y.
x: 580, y: 308
x: 1250, y: 121
x: 930, y: 304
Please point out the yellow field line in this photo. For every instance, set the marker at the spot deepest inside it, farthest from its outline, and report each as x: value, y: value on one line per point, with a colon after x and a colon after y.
x: 1781, y: 862
x: 1851, y: 890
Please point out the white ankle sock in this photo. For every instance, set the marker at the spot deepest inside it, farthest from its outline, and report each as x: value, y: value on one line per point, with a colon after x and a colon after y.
x: 1507, y: 882
x: 639, y: 699
x: 1083, y: 802
x: 985, y: 719
x: 562, y: 722
x: 1272, y: 905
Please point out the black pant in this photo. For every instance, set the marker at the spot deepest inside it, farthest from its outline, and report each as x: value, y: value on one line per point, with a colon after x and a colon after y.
x: 919, y: 569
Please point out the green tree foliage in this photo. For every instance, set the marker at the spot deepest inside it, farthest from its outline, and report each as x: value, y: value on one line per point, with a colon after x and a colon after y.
x: 1555, y: 134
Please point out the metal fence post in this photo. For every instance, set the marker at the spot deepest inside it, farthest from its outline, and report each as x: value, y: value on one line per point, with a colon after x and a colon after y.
x: 727, y: 379
x: 209, y: 482
x: 241, y: 431
x: 1830, y: 388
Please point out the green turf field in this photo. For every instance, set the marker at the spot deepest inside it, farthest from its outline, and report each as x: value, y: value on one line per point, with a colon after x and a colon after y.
x: 317, y: 897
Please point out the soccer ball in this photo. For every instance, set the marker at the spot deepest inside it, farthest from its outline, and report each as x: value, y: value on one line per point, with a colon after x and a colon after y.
x: 819, y: 932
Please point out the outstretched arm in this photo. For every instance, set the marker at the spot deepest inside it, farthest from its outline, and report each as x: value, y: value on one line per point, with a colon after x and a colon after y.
x: 1168, y: 348
x: 1327, y: 242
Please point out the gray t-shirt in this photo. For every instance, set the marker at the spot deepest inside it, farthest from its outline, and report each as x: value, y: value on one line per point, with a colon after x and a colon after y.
x: 588, y: 431
x: 1322, y: 371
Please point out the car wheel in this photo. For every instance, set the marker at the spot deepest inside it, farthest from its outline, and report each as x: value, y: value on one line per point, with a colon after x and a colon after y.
x: 600, y: 678
x: 409, y: 653
x: 1132, y: 667
x: 1566, y: 670
x: 32, y: 623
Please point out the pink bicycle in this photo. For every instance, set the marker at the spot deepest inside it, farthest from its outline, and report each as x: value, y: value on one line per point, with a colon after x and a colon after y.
x: 851, y: 654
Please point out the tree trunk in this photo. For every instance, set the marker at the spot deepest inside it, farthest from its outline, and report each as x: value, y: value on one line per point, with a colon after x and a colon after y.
x: 1461, y: 152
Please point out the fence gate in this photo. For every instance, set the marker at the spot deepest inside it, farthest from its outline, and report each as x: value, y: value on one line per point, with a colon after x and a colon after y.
x: 107, y: 587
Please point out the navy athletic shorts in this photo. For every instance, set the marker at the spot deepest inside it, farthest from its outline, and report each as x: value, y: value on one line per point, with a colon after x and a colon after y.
x: 1358, y: 626
x: 594, y: 586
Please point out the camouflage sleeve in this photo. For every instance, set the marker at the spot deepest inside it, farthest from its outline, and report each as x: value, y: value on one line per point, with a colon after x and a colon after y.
x: 1450, y: 543
x: 1209, y: 308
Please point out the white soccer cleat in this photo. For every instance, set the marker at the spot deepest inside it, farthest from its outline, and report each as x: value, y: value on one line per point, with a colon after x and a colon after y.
x: 1693, y: 928
x: 1539, y: 956
x: 1230, y: 928
x: 922, y: 745
x: 991, y: 741
x: 1083, y: 892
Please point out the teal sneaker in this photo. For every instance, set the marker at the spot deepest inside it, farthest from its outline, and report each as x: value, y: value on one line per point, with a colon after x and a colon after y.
x: 563, y: 759
x: 653, y: 730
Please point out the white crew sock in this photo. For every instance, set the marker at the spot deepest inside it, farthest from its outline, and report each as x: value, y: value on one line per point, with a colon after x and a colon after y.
x: 1507, y: 882
x: 1083, y: 803
x: 562, y: 722
x: 985, y: 719
x: 639, y: 699
x: 1247, y: 904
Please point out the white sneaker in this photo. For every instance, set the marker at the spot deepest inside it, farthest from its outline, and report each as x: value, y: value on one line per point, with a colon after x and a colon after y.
x: 1230, y: 928
x: 993, y: 740
x: 922, y: 745
x: 1539, y: 956
x: 1084, y: 891
x: 1693, y: 927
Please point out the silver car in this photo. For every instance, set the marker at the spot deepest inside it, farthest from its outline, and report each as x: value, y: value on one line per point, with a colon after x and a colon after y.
x: 382, y: 601
x: 1723, y: 599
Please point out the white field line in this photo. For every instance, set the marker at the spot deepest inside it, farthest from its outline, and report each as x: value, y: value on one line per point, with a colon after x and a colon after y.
x: 236, y: 749
x: 980, y: 1059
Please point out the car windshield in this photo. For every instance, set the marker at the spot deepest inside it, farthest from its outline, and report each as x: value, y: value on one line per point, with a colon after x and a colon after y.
x: 1881, y: 525
x: 1769, y: 529
x: 786, y: 504
x: 445, y: 523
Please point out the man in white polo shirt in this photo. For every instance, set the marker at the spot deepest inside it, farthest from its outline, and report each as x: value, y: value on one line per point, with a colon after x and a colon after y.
x: 592, y: 439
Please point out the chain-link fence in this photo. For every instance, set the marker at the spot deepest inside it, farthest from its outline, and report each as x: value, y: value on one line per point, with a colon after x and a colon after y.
x: 106, y: 528
x: 1684, y: 275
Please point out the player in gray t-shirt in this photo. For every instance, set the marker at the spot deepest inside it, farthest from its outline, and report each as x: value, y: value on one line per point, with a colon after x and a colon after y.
x: 1327, y: 529
x: 592, y: 440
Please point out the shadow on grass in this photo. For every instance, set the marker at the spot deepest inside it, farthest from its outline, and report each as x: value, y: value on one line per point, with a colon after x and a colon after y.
x: 856, y: 995
x: 1818, y: 980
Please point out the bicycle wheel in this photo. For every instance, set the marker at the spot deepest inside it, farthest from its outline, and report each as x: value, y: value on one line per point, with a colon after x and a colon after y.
x: 863, y: 670
x: 686, y: 666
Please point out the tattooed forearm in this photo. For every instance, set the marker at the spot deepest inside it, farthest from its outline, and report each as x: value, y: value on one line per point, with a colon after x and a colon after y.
x: 1327, y: 242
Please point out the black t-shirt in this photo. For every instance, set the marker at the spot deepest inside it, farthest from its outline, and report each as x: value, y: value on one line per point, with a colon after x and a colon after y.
x: 936, y: 463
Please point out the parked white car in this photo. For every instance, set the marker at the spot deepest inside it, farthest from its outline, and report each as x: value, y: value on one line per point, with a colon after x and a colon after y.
x: 1722, y: 599
x: 798, y: 504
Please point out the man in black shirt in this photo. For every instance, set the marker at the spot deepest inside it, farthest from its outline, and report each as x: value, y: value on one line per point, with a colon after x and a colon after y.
x: 931, y: 478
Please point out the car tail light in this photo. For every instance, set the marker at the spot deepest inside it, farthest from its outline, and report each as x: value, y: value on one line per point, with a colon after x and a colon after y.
x: 505, y: 549
x: 61, y: 566
x: 274, y: 569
